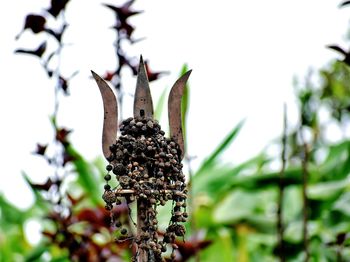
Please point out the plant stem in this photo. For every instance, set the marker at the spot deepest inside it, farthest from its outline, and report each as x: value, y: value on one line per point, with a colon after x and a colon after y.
x: 305, y: 160
x: 339, y: 256
x: 280, y: 228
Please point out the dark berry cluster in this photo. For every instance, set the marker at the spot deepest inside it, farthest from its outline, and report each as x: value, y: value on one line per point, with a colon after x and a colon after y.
x: 148, y: 168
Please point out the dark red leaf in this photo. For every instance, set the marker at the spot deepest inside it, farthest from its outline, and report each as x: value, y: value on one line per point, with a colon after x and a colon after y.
x: 108, y: 76
x: 153, y: 75
x: 97, y: 217
x: 337, y: 48
x: 67, y: 158
x: 75, y: 201
x: 40, y: 149
x: 37, y: 52
x: 191, y: 247
x: 61, y: 135
x: 123, y: 12
x: 340, y: 50
x: 57, y: 34
x: 125, y: 29
x: 49, y: 73
x: 123, y: 60
x: 345, y: 3
x: 36, y: 23
x: 45, y: 186
x: 49, y: 234
x: 63, y: 84
x: 341, y: 237
x: 57, y: 6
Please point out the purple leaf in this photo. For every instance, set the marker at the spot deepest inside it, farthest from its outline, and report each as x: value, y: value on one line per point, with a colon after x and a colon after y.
x: 57, y: 6
x: 36, y: 52
x: 345, y: 3
x: 40, y: 149
x: 36, y: 23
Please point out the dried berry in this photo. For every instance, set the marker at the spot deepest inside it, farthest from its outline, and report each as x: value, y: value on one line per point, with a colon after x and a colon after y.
x: 119, y: 170
x: 118, y: 223
x: 109, y: 197
x: 146, y: 162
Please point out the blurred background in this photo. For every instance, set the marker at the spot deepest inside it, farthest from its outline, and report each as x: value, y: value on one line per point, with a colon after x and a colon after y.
x: 255, y: 200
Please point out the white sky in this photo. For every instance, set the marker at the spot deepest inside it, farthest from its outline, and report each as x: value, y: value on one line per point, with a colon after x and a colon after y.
x: 244, y: 55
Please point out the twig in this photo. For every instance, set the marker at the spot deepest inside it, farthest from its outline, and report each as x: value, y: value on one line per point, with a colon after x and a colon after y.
x: 280, y: 227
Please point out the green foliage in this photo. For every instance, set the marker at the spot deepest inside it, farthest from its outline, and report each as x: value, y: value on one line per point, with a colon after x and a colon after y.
x: 209, y: 162
x: 87, y: 178
x: 160, y: 105
x: 234, y: 207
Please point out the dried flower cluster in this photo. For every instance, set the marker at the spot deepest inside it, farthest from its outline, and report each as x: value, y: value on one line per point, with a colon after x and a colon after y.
x: 148, y: 165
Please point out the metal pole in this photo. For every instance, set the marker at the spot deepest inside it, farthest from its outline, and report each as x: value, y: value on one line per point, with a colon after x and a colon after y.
x: 142, y: 253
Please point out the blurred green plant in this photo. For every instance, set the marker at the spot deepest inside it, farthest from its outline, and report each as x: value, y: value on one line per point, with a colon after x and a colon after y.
x: 233, y: 207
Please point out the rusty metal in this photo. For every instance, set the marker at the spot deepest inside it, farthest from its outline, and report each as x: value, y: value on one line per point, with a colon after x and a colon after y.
x: 143, y: 108
x: 143, y: 105
x: 110, y: 120
x: 174, y: 111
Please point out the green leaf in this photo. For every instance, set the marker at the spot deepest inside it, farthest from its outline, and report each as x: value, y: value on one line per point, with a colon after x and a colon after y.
x: 342, y: 204
x: 337, y: 164
x: 40, y: 202
x: 249, y: 207
x: 160, y: 105
x: 36, y: 253
x: 216, y: 180
x: 86, y: 176
x: 220, y: 149
x: 60, y: 259
x: 264, y: 181
x: 221, y: 249
x: 327, y: 190
x: 10, y: 214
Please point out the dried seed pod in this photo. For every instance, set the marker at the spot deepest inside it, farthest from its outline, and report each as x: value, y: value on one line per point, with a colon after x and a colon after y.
x: 148, y: 163
x: 150, y: 124
x: 109, y: 197
x: 180, y: 230
x: 124, y: 181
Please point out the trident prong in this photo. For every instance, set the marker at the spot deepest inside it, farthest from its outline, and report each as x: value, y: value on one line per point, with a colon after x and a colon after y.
x: 110, y: 120
x: 142, y: 166
x: 143, y: 107
x: 174, y: 111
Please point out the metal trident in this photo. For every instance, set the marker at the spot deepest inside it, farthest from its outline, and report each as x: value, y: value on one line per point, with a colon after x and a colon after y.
x: 143, y: 107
